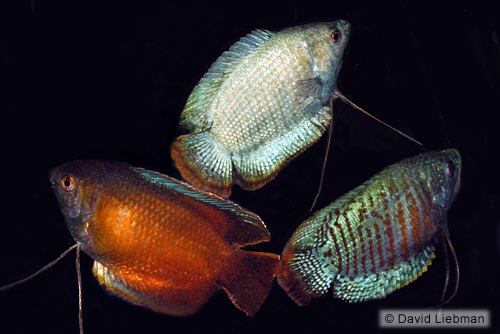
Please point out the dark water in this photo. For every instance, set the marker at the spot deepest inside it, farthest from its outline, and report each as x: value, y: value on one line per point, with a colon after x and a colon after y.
x: 91, y: 80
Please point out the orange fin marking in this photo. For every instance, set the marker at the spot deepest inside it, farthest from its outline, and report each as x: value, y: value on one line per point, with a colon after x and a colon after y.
x: 203, y: 163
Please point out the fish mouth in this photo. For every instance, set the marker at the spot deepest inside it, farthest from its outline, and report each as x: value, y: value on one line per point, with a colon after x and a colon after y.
x: 345, y: 27
x: 457, y: 159
x: 457, y: 156
x: 454, y: 156
x: 52, y: 176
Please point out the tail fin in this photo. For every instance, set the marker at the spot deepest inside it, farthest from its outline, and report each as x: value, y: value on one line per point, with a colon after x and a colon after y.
x: 203, y: 162
x: 303, y: 275
x: 249, y: 279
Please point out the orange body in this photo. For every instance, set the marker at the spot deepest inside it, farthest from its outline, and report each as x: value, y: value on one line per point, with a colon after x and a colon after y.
x: 160, y: 243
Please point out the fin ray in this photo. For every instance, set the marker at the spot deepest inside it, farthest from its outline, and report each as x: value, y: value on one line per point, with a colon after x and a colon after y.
x: 249, y: 280
x: 204, y: 162
x: 153, y: 294
x: 310, y: 87
x: 205, y: 91
x: 379, y: 285
x: 257, y: 167
x: 241, y: 229
x: 303, y: 275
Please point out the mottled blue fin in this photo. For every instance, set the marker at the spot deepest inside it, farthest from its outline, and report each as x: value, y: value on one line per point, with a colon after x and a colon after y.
x: 195, y: 116
x: 379, y: 285
x: 155, y: 295
x: 243, y: 227
x: 256, y: 168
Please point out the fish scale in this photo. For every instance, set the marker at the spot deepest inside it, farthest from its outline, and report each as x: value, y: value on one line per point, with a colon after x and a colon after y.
x: 378, y: 237
x: 160, y: 243
x: 259, y: 105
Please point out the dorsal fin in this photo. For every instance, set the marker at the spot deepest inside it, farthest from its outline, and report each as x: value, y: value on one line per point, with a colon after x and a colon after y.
x: 243, y: 48
x: 204, y: 92
x: 245, y: 227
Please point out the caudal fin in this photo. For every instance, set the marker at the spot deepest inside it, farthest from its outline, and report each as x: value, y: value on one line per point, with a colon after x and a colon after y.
x: 249, y: 279
x: 203, y: 162
x: 303, y: 275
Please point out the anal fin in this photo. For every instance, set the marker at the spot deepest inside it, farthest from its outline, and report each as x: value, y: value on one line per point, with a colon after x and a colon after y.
x: 379, y: 285
x: 156, y: 295
x: 256, y: 168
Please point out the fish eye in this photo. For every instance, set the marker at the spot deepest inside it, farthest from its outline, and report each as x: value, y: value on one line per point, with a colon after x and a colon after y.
x: 68, y: 182
x: 335, y: 36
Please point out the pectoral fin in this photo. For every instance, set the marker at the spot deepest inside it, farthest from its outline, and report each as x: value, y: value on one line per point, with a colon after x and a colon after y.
x: 310, y: 87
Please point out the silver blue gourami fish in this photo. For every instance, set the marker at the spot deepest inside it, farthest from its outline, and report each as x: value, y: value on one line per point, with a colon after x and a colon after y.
x: 262, y: 103
x: 378, y: 237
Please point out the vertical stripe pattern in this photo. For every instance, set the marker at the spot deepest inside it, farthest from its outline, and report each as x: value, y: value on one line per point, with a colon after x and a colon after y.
x: 377, y: 238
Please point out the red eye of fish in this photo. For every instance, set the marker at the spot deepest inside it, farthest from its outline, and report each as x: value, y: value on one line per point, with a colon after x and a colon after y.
x: 68, y: 182
x: 335, y: 36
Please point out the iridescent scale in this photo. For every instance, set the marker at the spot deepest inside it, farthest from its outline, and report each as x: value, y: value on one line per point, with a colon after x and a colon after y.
x: 261, y: 104
x: 377, y: 238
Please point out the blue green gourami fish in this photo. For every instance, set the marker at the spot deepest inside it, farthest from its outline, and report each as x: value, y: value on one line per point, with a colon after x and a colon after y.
x: 378, y: 237
x: 262, y: 103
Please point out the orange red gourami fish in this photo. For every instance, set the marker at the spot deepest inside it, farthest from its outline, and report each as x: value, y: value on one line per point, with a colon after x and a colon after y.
x: 263, y: 102
x: 160, y: 243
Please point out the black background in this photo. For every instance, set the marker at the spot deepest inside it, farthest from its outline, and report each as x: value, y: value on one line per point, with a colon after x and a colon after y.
x: 109, y: 79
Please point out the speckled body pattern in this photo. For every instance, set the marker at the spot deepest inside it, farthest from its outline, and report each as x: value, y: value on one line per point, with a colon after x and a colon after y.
x: 377, y: 238
x: 160, y: 243
x: 260, y: 104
